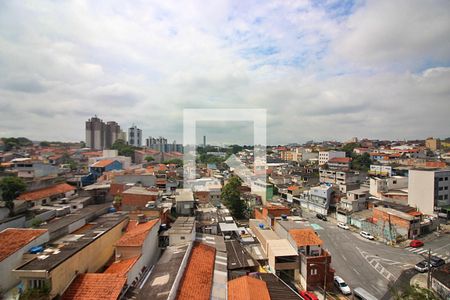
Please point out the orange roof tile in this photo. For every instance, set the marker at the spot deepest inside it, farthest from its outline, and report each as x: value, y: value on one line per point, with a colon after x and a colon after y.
x: 247, y: 288
x: 103, y: 163
x: 136, y: 235
x: 122, y: 267
x: 46, y: 192
x: 342, y: 160
x: 13, y: 239
x: 305, y: 237
x: 198, y: 276
x: 293, y: 188
x: 95, y: 286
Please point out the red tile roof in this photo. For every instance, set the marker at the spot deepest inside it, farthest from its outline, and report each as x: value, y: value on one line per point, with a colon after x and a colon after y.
x: 342, y: 160
x: 136, y: 235
x: 122, y: 267
x: 305, y: 237
x: 13, y: 239
x: 102, y: 163
x: 198, y: 276
x: 293, y: 188
x: 46, y: 192
x: 247, y: 288
x: 95, y: 286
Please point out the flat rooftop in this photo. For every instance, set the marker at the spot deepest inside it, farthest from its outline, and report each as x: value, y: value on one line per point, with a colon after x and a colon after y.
x: 138, y: 190
x: 162, y: 278
x: 73, y: 243
x: 182, y: 225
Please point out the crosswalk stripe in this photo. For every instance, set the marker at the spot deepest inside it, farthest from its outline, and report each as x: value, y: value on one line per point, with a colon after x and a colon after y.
x: 412, y: 249
x: 445, y: 257
x: 422, y: 251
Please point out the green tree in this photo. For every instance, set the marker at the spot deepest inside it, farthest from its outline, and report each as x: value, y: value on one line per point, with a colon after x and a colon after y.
x: 175, y: 161
x: 413, y: 292
x: 44, y: 144
x: 348, y: 148
x: 36, y: 222
x: 123, y: 148
x: 231, y: 197
x: 11, y: 187
x: 149, y: 158
x: 361, y: 162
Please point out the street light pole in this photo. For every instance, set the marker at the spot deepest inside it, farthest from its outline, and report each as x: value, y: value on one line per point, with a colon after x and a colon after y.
x: 429, y: 269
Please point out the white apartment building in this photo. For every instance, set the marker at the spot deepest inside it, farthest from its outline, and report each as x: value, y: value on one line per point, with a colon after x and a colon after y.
x: 429, y: 190
x: 325, y: 156
x: 135, y: 136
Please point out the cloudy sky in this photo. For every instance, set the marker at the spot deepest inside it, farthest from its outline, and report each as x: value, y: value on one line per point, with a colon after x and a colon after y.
x: 322, y: 69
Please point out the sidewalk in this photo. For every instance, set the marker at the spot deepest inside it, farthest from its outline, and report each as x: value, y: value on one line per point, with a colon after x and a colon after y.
x: 420, y: 279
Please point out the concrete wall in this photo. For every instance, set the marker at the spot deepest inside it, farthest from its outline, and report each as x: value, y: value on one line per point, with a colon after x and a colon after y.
x: 89, y: 259
x: 421, y: 190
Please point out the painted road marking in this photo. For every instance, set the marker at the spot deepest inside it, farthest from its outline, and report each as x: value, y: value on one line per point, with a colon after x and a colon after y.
x: 374, y: 262
x: 316, y: 226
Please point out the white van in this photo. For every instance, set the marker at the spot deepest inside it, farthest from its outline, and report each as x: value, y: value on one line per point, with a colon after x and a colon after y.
x: 362, y: 294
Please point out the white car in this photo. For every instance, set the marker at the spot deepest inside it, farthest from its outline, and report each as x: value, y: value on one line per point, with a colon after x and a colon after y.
x: 366, y: 235
x: 342, y: 225
x: 342, y: 286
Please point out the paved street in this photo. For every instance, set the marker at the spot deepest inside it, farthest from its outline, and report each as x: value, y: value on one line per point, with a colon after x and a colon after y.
x: 371, y: 264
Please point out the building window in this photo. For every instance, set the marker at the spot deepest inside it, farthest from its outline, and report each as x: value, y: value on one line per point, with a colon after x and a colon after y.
x: 313, y: 271
x: 440, y: 179
x: 182, y: 237
x: 394, y: 182
x: 446, y: 178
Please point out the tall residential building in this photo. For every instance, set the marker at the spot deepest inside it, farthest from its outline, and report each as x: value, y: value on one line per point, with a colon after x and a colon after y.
x: 100, y: 135
x: 429, y: 190
x: 135, y: 136
x: 161, y: 145
x: 433, y: 144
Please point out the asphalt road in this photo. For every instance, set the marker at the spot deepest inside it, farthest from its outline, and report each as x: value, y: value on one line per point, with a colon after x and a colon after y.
x: 370, y: 264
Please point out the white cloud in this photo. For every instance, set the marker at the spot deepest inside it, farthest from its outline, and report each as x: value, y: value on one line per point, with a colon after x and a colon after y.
x: 318, y: 74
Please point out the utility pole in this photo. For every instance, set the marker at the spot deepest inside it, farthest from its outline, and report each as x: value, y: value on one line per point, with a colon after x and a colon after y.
x: 429, y: 269
x: 325, y: 281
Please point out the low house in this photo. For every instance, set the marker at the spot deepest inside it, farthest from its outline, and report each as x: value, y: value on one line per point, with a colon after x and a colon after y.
x: 184, y: 200
x: 105, y: 165
x: 89, y: 286
x: 139, y: 246
x: 247, y: 288
x: 87, y: 250
x: 138, y: 197
x: 47, y: 195
x: 270, y: 212
x: 14, y: 243
x: 398, y: 223
x: 182, y: 231
x: 197, y: 281
x: 314, y: 262
x: 339, y: 163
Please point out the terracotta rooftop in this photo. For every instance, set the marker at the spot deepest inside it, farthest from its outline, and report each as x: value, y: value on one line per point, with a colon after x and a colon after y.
x: 247, y: 288
x: 46, y: 192
x: 305, y: 237
x: 122, y: 267
x: 13, y: 239
x: 198, y: 276
x: 293, y: 188
x: 135, y: 236
x: 103, y: 163
x: 95, y: 286
x: 342, y: 160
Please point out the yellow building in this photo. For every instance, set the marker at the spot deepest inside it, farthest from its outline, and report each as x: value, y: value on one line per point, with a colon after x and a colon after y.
x: 432, y: 143
x: 86, y: 250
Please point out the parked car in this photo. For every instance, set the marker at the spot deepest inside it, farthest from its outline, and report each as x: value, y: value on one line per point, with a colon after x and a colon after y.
x: 436, y: 261
x: 422, y: 266
x: 322, y: 217
x: 308, y: 295
x: 343, y: 226
x: 416, y: 243
x: 342, y: 286
x: 366, y: 235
